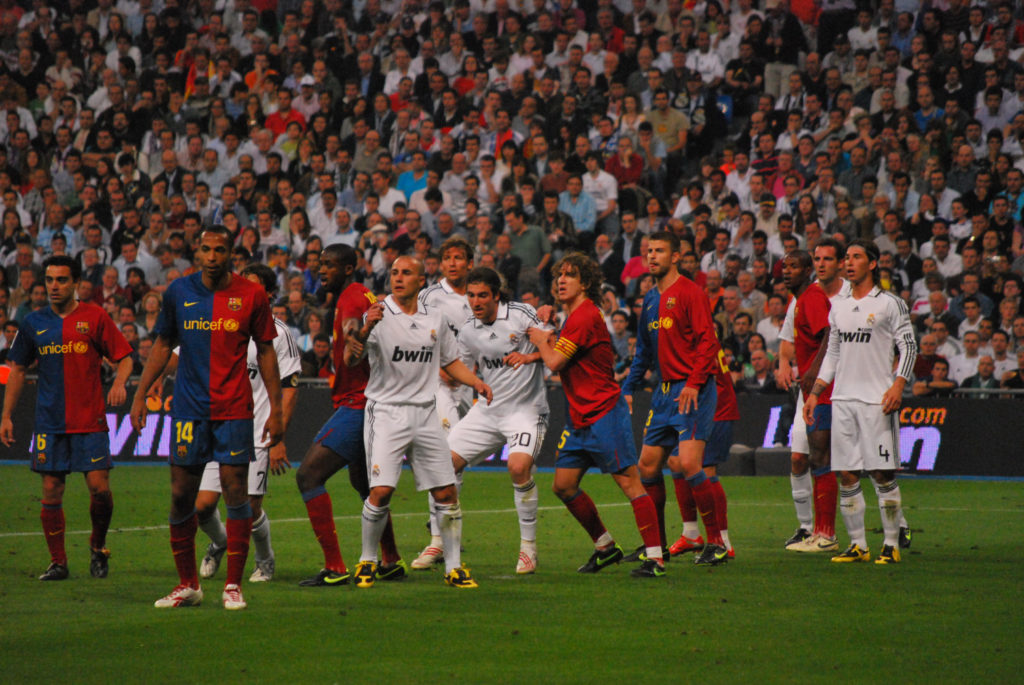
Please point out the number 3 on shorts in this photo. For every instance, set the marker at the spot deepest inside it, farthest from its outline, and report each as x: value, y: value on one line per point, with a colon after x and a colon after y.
x: 183, y: 431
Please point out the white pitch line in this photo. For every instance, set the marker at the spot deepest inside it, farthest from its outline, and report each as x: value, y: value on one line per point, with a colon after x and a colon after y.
x: 137, y: 529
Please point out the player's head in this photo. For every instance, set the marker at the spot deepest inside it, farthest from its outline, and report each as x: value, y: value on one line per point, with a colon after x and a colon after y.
x: 215, y: 252
x: 662, y: 252
x: 61, y: 274
x: 577, y: 274
x: 337, y: 263
x: 797, y: 267
x: 483, y: 289
x: 406, y: 278
x: 456, y: 259
x: 862, y: 261
x: 829, y: 254
x: 262, y: 274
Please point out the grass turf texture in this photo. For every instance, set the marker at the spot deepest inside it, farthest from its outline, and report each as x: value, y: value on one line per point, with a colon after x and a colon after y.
x: 953, y: 608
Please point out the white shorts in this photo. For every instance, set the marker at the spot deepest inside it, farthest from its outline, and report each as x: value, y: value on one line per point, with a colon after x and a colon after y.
x: 391, y: 431
x: 863, y: 437
x: 452, y: 405
x: 799, y: 435
x: 481, y: 433
x: 259, y: 470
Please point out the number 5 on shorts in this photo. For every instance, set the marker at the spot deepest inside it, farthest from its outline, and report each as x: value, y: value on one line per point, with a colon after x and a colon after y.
x: 562, y: 439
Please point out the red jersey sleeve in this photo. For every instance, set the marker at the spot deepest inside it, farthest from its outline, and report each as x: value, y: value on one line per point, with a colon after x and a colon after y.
x: 262, y: 326
x: 575, y: 336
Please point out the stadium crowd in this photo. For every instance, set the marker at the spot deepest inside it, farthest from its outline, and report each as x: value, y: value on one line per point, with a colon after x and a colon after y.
x: 530, y: 128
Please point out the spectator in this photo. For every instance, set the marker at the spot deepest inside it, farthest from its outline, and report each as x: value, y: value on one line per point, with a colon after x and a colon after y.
x: 936, y: 382
x: 983, y: 379
x: 316, y: 363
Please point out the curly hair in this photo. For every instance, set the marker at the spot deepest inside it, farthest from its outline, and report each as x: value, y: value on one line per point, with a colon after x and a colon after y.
x: 581, y: 266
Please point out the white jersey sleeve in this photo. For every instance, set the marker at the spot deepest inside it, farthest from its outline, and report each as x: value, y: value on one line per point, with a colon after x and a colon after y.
x: 487, y: 345
x: 289, y: 363
x: 861, y: 350
x: 787, y: 324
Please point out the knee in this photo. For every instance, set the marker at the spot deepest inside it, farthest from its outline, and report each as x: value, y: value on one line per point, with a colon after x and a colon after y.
x: 304, y: 480
x: 445, y: 495
x: 799, y: 463
x: 564, y: 492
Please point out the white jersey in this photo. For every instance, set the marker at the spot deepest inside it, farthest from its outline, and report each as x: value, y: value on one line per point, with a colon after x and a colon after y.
x: 860, y: 354
x: 787, y: 324
x: 289, y: 363
x: 406, y: 352
x: 456, y: 309
x: 485, y: 346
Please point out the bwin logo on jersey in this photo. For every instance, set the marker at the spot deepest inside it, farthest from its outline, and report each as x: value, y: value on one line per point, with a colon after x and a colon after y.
x: 422, y: 355
x: 493, y: 363
x: 861, y: 335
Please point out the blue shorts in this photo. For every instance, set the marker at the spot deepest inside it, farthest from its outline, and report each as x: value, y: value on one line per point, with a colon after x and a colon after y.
x: 343, y: 435
x: 607, y: 443
x: 71, y: 452
x: 666, y: 427
x: 716, y: 451
x: 822, y: 418
x: 194, y: 442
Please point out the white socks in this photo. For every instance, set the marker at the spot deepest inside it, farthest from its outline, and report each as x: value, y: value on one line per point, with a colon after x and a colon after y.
x: 890, y: 505
x: 526, y: 499
x: 449, y: 521
x: 851, y: 503
x: 214, y: 529
x: 375, y: 519
x: 261, y: 537
x: 803, y: 489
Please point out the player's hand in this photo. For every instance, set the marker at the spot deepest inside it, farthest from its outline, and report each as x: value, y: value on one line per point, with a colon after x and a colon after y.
x: 273, y: 429
x: 138, y: 413
x: 374, y: 314
x: 484, y: 390
x: 7, y: 432
x: 538, y: 336
x: 892, y: 399
x: 353, y: 344
x: 809, y: 404
x: 783, y: 378
x: 117, y: 395
x: 688, y: 400
x: 279, y: 459
x: 546, y: 313
x: 517, y: 359
x: 629, y: 403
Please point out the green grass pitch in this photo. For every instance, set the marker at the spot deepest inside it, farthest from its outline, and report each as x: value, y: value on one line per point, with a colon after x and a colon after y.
x: 951, y: 612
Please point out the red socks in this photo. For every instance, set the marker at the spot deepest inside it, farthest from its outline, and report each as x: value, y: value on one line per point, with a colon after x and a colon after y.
x: 183, y: 545
x: 101, y: 508
x: 52, y: 517
x: 239, y: 530
x: 656, y: 490
x: 721, y: 508
x: 826, y: 495
x: 321, y: 516
x: 703, y: 495
x: 582, y: 507
x: 646, y: 517
x: 684, y: 496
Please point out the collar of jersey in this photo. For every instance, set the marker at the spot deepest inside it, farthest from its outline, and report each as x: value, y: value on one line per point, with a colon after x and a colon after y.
x: 393, y: 307
x: 502, y: 314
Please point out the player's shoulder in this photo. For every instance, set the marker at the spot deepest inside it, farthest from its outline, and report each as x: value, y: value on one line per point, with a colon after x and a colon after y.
x: 37, y: 317
x: 432, y: 292
x: 895, y: 302
x: 523, y: 312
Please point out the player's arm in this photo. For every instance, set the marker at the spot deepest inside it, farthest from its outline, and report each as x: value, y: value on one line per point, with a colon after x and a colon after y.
x: 826, y: 374
x: 458, y: 370
x: 355, y: 342
x: 118, y: 394
x: 812, y: 371
x: 266, y: 360
x: 642, y: 360
x: 784, y: 374
x: 158, y: 358
x: 555, y: 353
x: 706, y: 357
x: 12, y: 393
x: 906, y: 344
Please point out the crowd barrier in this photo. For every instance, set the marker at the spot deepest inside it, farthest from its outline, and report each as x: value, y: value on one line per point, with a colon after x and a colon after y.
x: 950, y: 436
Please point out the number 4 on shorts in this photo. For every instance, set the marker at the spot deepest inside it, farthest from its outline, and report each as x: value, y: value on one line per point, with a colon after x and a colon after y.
x: 882, y: 453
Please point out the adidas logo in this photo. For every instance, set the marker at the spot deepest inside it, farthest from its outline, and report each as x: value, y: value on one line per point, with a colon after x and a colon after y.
x: 493, y: 336
x: 413, y: 326
x: 856, y: 309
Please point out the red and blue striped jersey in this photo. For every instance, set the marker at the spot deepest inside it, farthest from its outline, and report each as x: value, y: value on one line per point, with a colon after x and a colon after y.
x: 349, y: 387
x: 213, y: 329
x: 687, y: 342
x: 70, y: 351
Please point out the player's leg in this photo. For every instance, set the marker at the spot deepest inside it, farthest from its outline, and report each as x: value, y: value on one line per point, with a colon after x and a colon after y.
x: 319, y: 464
x: 101, y: 510
x: 800, y: 481
x: 691, y: 461
x: 721, y: 507
x: 446, y: 404
x: 905, y: 532
x: 848, y: 461
x: 825, y: 485
x: 652, y: 462
x: 391, y: 565
x: 232, y: 447
x: 183, y: 525
x: 659, y: 437
x: 691, y: 539
x: 524, y: 434
x: 881, y: 462
x: 566, y: 487
x: 890, y: 505
x: 51, y: 516
x: 208, y: 517
x: 646, y: 517
x: 259, y: 472
x: 387, y: 434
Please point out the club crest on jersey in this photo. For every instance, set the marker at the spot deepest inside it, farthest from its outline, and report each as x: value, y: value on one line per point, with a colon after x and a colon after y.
x: 871, y: 319
x: 82, y: 326
x: 513, y: 338
x: 670, y: 302
x: 41, y: 458
x: 234, y: 303
x: 433, y: 334
x: 376, y: 470
x: 230, y: 325
x: 182, y: 451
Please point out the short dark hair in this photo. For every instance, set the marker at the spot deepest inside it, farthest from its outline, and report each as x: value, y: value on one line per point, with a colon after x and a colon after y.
x: 266, y: 275
x: 487, y: 276
x: 64, y: 260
